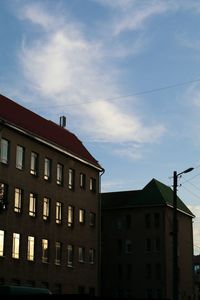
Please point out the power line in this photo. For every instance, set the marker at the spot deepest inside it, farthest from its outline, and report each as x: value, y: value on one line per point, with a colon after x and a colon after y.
x: 131, y: 94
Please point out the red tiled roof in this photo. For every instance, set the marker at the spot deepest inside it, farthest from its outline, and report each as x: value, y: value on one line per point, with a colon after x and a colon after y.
x: 49, y: 131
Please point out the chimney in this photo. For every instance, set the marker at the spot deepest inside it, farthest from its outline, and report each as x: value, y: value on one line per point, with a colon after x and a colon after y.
x: 63, y: 121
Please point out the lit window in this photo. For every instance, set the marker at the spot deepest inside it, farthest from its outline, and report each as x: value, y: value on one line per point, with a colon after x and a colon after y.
x: 4, y: 151
x: 58, y: 253
x: 34, y: 163
x: 82, y: 180
x: 3, y: 196
x: 70, y: 216
x: 70, y: 255
x: 45, y: 250
x: 20, y: 151
x: 59, y: 174
x: 93, y: 185
x: 81, y: 216
x: 91, y: 256
x: 81, y: 254
x: 71, y: 179
x: 1, y: 242
x: 18, y: 200
x: 15, y: 245
x: 47, y: 169
x: 46, y: 208
x: 58, y: 212
x: 92, y: 219
x: 32, y: 205
x: 31, y: 246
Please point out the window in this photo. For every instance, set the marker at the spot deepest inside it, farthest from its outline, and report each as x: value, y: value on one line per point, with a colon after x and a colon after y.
x: 45, y: 250
x: 58, y: 253
x: 93, y: 185
x: 20, y: 151
x: 147, y: 220
x: 128, y: 246
x: 4, y: 151
x: 157, y: 244
x: 31, y: 246
x: 70, y: 255
x: 59, y: 176
x: 47, y: 169
x: 58, y: 212
x: 148, y: 245
x: 119, y: 247
x: 70, y: 216
x: 81, y: 254
x: 82, y: 180
x: 128, y: 221
x: 1, y: 242
x: 3, y: 196
x: 128, y: 271
x: 71, y: 179
x: 15, y: 245
x: 34, y: 164
x: 46, y: 208
x: 18, y: 200
x: 91, y: 255
x: 81, y: 216
x: 148, y: 271
x: 157, y: 220
x: 92, y: 219
x: 32, y: 205
x: 158, y: 271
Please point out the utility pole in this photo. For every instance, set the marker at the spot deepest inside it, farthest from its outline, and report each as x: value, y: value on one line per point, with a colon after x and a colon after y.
x: 175, y: 268
x: 175, y: 241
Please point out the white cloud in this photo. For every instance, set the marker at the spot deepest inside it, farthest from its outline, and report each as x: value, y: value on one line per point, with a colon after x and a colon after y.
x: 63, y: 67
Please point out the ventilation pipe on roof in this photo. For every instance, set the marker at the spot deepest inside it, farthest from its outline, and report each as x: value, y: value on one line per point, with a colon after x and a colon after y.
x: 63, y: 121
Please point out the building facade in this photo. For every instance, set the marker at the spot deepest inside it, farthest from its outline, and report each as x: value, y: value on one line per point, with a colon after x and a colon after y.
x: 49, y: 205
x: 137, y: 244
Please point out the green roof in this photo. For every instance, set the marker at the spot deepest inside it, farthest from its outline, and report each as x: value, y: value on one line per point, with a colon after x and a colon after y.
x: 155, y: 193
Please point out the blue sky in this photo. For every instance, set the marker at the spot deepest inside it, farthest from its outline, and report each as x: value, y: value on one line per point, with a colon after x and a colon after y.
x: 126, y: 74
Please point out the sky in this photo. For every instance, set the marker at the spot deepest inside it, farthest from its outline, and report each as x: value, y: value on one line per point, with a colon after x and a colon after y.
x: 125, y: 73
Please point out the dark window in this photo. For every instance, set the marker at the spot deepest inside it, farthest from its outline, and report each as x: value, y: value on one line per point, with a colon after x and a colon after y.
x: 157, y: 220
x: 92, y: 219
x: 128, y: 221
x: 71, y: 179
x: 147, y: 220
x: 82, y: 180
x: 93, y: 185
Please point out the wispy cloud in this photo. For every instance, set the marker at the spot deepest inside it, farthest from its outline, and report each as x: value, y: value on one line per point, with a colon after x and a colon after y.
x: 63, y: 67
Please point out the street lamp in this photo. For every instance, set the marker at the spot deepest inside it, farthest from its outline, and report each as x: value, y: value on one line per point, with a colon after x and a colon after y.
x: 175, y: 236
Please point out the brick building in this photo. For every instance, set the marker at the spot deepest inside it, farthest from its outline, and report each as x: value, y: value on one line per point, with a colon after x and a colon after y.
x: 137, y: 256
x: 49, y: 205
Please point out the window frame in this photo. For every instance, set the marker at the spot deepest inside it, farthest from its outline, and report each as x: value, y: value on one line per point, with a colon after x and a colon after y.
x: 16, y: 245
x: 34, y: 163
x: 47, y: 168
x: 59, y: 174
x: 46, y: 208
x: 59, y: 206
x: 20, y: 157
x: 31, y: 248
x: 4, y: 151
x: 32, y: 204
x: 18, y: 200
